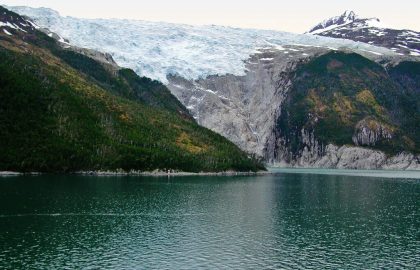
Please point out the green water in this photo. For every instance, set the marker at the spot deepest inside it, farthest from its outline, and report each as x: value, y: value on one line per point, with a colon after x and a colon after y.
x: 284, y: 221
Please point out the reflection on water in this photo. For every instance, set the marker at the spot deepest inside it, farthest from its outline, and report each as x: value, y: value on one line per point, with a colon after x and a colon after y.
x: 284, y: 221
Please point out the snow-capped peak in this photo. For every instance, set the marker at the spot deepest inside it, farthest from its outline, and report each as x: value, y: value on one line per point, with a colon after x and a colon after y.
x: 349, y: 15
x: 371, y: 31
x: 345, y: 18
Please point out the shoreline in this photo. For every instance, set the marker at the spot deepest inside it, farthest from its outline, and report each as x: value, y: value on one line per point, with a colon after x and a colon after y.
x: 138, y: 173
x: 381, y: 173
x: 167, y: 173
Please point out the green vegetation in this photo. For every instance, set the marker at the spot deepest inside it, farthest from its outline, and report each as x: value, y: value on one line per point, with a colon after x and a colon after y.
x: 61, y: 111
x: 335, y: 92
x: 125, y: 82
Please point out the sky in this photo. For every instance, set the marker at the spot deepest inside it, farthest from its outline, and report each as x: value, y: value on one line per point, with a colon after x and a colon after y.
x: 293, y: 15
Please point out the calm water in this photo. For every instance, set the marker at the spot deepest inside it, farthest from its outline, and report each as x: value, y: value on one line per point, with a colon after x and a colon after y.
x: 287, y: 221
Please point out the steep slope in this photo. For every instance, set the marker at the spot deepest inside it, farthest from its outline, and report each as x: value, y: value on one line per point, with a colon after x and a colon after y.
x: 371, y: 31
x: 243, y: 108
x: 63, y: 111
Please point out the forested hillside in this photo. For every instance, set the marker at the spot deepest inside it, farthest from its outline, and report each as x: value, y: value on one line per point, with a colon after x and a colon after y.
x: 61, y: 111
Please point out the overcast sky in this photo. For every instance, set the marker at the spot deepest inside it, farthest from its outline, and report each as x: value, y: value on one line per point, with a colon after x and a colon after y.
x: 292, y: 15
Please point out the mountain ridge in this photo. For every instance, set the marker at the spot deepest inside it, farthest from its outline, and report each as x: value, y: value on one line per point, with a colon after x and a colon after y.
x: 371, y: 31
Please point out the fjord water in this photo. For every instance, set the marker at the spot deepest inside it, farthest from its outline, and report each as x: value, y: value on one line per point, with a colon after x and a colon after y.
x: 283, y: 221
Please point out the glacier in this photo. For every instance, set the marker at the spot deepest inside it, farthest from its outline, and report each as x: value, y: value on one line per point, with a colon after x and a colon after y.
x: 159, y: 49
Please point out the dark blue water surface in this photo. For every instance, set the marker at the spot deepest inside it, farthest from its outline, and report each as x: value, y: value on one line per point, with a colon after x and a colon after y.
x: 284, y: 221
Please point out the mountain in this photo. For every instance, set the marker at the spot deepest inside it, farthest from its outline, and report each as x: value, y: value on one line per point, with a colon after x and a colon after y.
x: 293, y: 100
x: 156, y: 49
x: 341, y: 102
x: 66, y: 109
x: 371, y: 31
x: 335, y: 109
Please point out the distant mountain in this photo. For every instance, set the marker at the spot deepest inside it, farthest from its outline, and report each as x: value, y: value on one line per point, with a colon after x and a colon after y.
x: 371, y: 31
x: 65, y: 109
x: 346, y: 18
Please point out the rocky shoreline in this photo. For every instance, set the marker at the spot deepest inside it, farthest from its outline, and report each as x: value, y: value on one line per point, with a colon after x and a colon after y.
x: 315, y: 156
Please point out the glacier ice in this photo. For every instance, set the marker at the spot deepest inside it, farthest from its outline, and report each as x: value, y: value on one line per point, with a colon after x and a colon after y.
x: 156, y: 49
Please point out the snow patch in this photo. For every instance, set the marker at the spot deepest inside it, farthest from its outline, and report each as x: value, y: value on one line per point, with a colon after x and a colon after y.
x: 413, y: 38
x: 374, y: 22
x: 376, y: 53
x: 33, y: 25
x: 13, y: 26
x: 7, y: 24
x: 326, y: 29
x: 7, y: 32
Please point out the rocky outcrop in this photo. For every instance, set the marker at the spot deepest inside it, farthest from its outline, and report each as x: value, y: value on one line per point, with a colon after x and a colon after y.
x: 313, y: 154
x: 104, y: 58
x: 403, y: 161
x: 280, y: 151
x: 369, y: 131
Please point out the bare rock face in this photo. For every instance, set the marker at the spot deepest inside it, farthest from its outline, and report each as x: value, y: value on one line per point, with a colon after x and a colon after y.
x: 347, y: 157
x: 244, y: 108
x: 104, y: 58
x: 316, y: 155
x: 403, y: 161
x: 369, y: 131
x: 350, y: 157
x: 280, y: 153
x: 359, y: 158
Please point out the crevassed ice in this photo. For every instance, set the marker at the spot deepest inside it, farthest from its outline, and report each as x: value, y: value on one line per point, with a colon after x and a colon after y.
x: 156, y: 49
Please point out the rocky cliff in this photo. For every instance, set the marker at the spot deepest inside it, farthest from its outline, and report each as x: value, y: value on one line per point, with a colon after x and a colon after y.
x: 243, y: 108
x: 310, y: 107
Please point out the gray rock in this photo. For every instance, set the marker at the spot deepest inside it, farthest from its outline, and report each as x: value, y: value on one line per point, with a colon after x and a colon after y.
x: 403, y: 161
x: 350, y: 157
x: 369, y: 131
x: 244, y: 108
x: 359, y: 158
